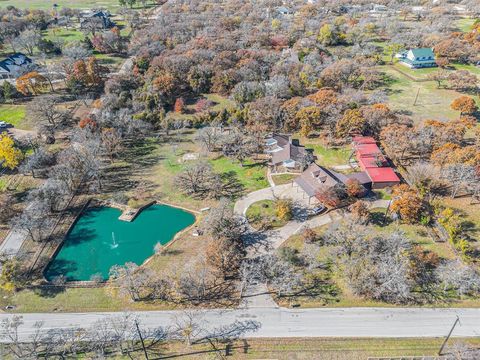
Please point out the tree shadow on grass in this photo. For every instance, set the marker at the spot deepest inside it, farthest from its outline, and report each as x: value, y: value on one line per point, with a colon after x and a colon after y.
x: 48, y: 291
x: 378, y: 219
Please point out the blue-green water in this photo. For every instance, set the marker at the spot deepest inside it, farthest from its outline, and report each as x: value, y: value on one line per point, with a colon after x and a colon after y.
x: 99, y: 240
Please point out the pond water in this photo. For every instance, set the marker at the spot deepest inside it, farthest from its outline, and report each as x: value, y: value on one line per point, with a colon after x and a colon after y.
x: 99, y: 240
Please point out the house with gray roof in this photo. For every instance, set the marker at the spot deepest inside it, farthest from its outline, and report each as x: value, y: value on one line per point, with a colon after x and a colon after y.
x: 417, y: 58
x: 286, y: 154
x: 14, y: 65
x: 316, y: 179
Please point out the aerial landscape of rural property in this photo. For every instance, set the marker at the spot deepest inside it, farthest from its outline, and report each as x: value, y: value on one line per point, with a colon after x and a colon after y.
x: 244, y: 179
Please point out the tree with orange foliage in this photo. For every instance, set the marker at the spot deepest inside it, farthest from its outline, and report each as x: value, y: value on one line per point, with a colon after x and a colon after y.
x: 179, y: 106
x: 309, y: 118
x: 455, y: 154
x: 289, y: 111
x: 406, y: 203
x: 324, y: 97
x: 360, y: 212
x: 32, y: 83
x: 86, y: 74
x: 354, y: 188
x: 331, y: 197
x: 443, y: 154
x: 464, y: 104
x: 377, y: 116
x: 164, y: 83
x: 352, y: 123
x: 88, y: 123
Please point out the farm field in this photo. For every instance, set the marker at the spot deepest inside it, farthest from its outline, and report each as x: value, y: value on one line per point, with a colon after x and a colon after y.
x: 432, y: 103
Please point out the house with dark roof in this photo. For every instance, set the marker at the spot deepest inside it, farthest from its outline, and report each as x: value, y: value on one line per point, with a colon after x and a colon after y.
x: 14, y: 65
x: 286, y: 154
x: 417, y: 58
x: 98, y: 19
x: 372, y: 161
x: 317, y: 179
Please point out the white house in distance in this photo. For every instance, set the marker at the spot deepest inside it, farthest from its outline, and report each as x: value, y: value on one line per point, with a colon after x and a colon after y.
x: 417, y: 58
x: 14, y: 65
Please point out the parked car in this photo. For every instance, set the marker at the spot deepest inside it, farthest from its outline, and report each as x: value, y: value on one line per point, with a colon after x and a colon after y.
x: 317, y: 210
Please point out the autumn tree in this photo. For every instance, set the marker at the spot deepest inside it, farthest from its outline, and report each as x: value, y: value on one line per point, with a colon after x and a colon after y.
x: 283, y: 209
x: 309, y: 118
x: 354, y: 188
x: 45, y: 110
x: 32, y: 83
x: 331, y: 197
x: 10, y: 155
x: 360, y: 212
x: 179, y: 106
x: 86, y: 75
x: 352, y: 123
x: 406, y: 203
x: 465, y: 104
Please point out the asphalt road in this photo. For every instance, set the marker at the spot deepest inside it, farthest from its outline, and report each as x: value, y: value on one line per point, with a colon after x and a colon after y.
x: 288, y: 323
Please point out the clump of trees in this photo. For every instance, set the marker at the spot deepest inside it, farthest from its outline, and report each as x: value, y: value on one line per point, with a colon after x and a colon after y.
x: 119, y: 335
x: 389, y: 268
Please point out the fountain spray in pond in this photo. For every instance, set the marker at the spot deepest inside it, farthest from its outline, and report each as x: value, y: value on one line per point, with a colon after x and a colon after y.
x: 114, y: 244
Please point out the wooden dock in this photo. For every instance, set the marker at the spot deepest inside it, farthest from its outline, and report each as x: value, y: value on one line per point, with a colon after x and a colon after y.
x: 129, y: 214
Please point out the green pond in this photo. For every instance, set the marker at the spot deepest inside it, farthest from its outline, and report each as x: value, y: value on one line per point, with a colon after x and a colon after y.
x: 99, y: 240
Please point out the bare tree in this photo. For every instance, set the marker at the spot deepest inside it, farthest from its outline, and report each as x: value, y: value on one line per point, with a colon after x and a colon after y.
x: 34, y: 221
x: 28, y: 40
x: 198, y: 180
x: 131, y: 279
x: 40, y: 159
x: 209, y: 137
x: 460, y: 277
x: 45, y: 111
x: 459, y: 175
x: 240, y: 147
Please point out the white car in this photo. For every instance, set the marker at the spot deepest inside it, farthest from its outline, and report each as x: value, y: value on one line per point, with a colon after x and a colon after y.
x: 3, y: 124
x: 317, y: 210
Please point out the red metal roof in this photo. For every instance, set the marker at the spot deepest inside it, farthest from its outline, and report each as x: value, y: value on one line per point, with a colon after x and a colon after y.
x: 357, y: 140
x: 382, y: 174
x: 372, y: 161
x: 368, y: 149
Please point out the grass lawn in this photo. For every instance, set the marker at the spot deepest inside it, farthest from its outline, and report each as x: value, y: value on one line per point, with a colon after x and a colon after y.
x: 48, y: 4
x: 327, y: 156
x: 465, y: 24
x: 252, y: 175
x: 283, y: 178
x: 432, y: 103
x: 109, y: 60
x: 418, y: 234
x: 154, y: 164
x: 66, y: 35
x: 13, y: 114
x: 264, y: 211
x: 219, y: 103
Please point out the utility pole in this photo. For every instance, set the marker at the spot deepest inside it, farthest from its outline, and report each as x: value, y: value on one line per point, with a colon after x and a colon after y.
x: 416, y: 97
x: 457, y: 320
x: 141, y: 339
